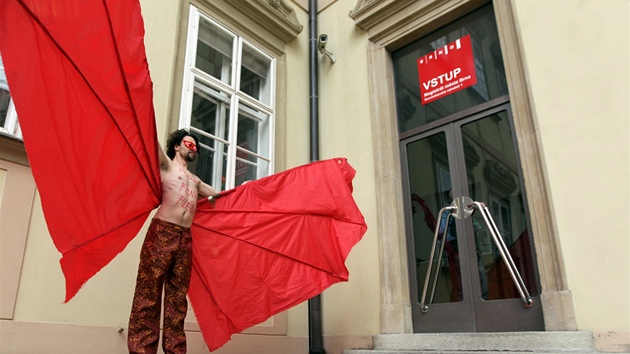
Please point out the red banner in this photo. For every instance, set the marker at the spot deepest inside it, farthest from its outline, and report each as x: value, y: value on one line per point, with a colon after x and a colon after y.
x: 446, y: 70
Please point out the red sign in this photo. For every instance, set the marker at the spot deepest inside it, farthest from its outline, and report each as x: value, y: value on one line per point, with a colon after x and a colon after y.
x: 446, y: 70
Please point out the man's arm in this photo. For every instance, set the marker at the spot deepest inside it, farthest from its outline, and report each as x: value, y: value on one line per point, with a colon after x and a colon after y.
x: 164, y: 160
x: 205, y: 190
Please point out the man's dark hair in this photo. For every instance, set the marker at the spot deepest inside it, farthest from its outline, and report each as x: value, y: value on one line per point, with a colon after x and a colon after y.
x: 175, y: 138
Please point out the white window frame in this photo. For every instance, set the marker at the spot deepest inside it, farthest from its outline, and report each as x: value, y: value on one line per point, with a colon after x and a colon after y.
x: 238, y: 101
x: 11, y: 125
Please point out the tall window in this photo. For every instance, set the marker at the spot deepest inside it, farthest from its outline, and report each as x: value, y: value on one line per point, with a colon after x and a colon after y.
x: 228, y: 103
x: 8, y: 117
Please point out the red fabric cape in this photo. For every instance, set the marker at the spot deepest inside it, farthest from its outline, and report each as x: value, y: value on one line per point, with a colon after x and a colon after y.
x: 79, y: 79
x: 271, y: 244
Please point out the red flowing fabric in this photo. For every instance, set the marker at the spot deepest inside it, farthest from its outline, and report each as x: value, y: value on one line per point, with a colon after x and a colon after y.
x: 80, y: 82
x: 79, y: 79
x: 271, y: 244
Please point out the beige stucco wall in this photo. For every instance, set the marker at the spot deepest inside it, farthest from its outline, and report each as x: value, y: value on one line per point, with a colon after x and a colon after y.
x: 297, y: 137
x: 576, y: 57
x: 161, y: 25
x: 102, y: 301
x: 350, y: 308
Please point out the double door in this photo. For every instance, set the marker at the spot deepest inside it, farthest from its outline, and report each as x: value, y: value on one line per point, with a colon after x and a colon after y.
x: 454, y: 261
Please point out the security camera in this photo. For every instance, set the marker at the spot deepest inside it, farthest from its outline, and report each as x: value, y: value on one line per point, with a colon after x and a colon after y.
x: 321, y: 45
x: 321, y: 42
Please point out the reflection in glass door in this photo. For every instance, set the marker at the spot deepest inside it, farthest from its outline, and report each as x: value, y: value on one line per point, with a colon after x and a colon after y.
x: 473, y: 157
x: 493, y: 174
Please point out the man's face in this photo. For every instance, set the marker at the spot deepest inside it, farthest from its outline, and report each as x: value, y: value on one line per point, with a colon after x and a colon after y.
x: 188, y: 149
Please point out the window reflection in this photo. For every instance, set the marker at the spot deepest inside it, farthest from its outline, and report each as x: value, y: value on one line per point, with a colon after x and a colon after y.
x: 254, y: 74
x: 214, y: 51
x: 252, y: 144
x: 8, y: 116
x: 430, y: 184
x: 492, y: 167
x: 209, y: 119
x: 5, y: 99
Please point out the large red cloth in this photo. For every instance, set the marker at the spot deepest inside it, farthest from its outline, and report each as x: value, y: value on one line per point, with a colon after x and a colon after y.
x: 79, y: 78
x: 271, y: 244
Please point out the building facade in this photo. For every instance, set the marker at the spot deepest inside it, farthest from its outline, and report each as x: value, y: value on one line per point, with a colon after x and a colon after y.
x: 537, y: 130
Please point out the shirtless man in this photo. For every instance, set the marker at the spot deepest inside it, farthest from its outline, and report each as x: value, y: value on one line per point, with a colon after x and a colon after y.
x: 166, y: 256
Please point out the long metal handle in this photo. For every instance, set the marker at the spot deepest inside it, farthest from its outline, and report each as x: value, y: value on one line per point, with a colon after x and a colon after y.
x: 457, y: 211
x: 439, y: 259
x: 423, y: 306
x: 503, y: 250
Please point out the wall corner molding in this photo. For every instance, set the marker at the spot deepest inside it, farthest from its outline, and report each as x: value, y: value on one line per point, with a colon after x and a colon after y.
x: 275, y: 15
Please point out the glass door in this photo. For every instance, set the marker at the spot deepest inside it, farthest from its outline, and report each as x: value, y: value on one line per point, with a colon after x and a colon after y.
x: 471, y: 288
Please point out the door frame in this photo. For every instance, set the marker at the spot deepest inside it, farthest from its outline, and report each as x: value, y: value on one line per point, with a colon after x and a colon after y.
x: 390, y: 24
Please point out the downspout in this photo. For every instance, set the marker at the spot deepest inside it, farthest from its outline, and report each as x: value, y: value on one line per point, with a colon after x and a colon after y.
x: 315, y: 337
x: 313, y: 79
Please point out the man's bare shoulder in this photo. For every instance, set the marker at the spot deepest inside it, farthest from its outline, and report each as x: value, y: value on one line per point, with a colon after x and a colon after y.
x: 196, y: 179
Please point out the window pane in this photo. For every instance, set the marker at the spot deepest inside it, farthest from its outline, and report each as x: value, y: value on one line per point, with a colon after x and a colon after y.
x: 210, y: 111
x: 3, y: 77
x: 255, y: 68
x: 253, y: 131
x: 214, y: 51
x: 250, y: 167
x: 209, y: 120
x: 211, y: 162
x: 5, y: 97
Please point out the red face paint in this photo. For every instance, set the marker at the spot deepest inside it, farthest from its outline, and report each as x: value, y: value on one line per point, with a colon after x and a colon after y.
x: 190, y: 145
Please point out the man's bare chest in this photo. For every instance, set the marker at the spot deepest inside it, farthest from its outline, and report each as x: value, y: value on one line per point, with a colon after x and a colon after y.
x: 180, y: 181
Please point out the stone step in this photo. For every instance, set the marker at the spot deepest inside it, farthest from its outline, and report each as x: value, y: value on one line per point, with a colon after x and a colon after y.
x: 377, y: 351
x: 511, y: 342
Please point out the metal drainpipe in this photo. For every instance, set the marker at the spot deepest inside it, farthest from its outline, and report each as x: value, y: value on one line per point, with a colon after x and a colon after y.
x: 315, y: 338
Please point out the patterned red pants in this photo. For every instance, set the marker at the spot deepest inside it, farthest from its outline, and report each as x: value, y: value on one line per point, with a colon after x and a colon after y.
x: 165, y: 262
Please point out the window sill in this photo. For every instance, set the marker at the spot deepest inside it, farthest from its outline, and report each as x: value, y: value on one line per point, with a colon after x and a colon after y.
x: 12, y: 149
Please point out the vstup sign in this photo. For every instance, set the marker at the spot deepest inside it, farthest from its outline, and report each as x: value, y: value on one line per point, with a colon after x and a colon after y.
x: 446, y: 70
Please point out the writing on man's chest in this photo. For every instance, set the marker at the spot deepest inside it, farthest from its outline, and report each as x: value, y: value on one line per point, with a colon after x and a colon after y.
x: 188, y: 192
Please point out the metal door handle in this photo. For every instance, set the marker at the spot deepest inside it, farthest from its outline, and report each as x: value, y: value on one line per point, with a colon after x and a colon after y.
x: 452, y: 209
x: 505, y: 254
x: 457, y: 211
